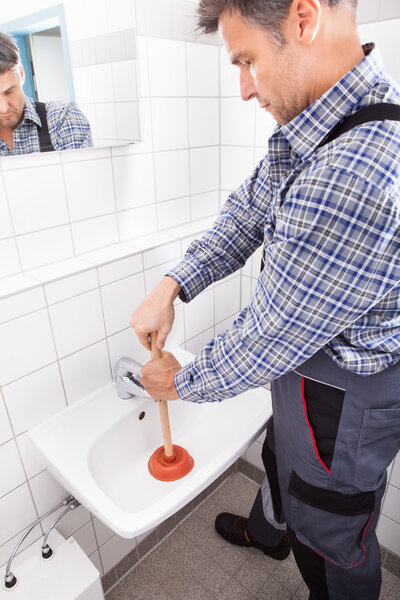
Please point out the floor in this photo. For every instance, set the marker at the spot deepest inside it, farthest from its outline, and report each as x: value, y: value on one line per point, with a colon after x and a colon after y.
x: 194, y: 563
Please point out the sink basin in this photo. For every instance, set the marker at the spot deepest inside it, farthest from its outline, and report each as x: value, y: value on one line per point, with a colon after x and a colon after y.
x: 98, y: 449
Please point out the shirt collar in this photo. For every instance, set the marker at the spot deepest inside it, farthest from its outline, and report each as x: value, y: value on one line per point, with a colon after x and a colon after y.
x: 30, y: 113
x: 305, y: 132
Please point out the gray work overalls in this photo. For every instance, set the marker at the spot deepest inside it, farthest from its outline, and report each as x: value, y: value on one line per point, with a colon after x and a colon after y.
x: 329, y: 500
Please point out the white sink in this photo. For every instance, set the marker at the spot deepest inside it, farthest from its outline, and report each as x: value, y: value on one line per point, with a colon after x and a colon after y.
x: 98, y: 449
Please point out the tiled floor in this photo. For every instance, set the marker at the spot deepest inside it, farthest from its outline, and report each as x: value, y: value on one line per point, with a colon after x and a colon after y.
x: 194, y: 563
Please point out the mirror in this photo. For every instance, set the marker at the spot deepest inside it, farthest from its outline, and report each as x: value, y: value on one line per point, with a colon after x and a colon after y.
x: 63, y: 60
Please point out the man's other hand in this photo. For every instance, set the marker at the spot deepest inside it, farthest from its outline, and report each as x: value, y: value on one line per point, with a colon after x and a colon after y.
x: 158, y: 377
x: 156, y: 313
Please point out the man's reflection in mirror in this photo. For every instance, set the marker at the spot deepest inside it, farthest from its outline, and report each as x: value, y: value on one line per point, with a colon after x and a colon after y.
x: 27, y: 126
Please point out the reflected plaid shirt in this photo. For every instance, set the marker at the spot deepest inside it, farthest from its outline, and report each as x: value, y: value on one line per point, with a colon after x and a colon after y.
x: 329, y: 219
x: 68, y: 128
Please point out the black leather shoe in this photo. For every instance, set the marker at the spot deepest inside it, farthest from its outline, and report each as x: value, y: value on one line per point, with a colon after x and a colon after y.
x: 233, y: 528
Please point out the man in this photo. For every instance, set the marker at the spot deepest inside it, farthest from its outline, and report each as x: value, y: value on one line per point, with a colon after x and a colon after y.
x: 26, y: 126
x: 323, y: 324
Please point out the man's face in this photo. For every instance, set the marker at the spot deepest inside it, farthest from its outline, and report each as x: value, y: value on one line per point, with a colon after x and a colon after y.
x: 267, y: 72
x: 12, y: 99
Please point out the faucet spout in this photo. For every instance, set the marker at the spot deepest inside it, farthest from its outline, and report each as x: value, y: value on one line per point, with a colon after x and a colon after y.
x: 127, y: 375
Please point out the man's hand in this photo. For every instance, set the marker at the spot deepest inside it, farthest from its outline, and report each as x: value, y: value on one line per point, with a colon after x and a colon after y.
x: 156, y: 313
x: 158, y: 377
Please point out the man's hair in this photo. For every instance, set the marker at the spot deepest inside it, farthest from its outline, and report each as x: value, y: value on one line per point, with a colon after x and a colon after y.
x: 265, y: 14
x: 9, y: 53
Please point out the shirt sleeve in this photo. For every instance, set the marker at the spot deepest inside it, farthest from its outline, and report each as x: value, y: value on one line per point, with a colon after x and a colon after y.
x: 235, y: 235
x: 334, y: 255
x: 72, y: 129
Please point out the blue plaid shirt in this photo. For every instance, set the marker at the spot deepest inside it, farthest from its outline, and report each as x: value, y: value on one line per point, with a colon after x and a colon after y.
x: 68, y: 129
x: 329, y: 220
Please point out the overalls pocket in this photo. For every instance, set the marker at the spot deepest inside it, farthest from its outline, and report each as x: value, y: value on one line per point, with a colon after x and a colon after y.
x: 332, y: 523
x: 378, y: 444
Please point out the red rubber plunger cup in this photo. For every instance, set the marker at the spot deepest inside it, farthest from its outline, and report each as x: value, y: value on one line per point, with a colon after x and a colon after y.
x: 169, y: 462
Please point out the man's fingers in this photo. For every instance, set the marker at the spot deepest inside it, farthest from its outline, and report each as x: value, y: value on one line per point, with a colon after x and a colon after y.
x: 144, y: 340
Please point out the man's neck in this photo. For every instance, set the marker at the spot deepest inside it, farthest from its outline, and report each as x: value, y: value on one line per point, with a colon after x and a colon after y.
x: 7, y: 135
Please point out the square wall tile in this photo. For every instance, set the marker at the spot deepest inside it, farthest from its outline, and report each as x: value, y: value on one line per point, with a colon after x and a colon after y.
x: 6, y: 432
x: 167, y: 67
x: 134, y: 180
x: 202, y: 69
x: 153, y: 276
x: 119, y: 301
x: 236, y: 166
x: 124, y: 267
x: 227, y: 299
x: 85, y: 371
x: 90, y: 188
x: 95, y: 233
x: 143, y: 75
x: 102, y: 77
x: 161, y: 254
x: 265, y: 125
x: 125, y: 80
x: 395, y: 474
x: 47, y: 492
x: 173, y: 212
x: 204, y: 205
x: 253, y: 455
x: 229, y: 76
x: 172, y: 174
x: 44, y: 247
x: 32, y: 460
x: 6, y: 229
x: 204, y: 169
x: 115, y: 550
x: 126, y: 343
x: 26, y: 344
x: 170, y: 123
x: 11, y: 472
x: 16, y: 512
x: 128, y: 121
x: 106, y: 121
x: 45, y: 398
x: 237, y: 122
x: 199, y: 314
x: 391, y: 504
x: 21, y: 304
x: 137, y: 221
x: 37, y: 199
x: 197, y: 343
x: 203, y: 121
x: 388, y: 533
x: 77, y: 323
x: 67, y: 287
x: 9, y: 260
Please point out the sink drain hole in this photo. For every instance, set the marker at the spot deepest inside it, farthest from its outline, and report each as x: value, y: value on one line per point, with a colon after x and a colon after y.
x: 142, y: 415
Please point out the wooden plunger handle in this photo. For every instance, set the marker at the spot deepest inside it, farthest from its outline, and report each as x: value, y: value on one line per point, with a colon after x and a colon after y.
x: 163, y: 406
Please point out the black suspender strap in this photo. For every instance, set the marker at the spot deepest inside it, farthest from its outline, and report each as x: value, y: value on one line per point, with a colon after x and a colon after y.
x: 375, y: 112
x: 43, y: 131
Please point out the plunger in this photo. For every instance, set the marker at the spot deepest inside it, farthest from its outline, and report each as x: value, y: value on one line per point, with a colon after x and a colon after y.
x: 168, y: 462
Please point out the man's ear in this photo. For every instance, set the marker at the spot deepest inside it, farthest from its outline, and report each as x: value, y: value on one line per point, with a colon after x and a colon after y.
x: 305, y: 15
x: 22, y: 74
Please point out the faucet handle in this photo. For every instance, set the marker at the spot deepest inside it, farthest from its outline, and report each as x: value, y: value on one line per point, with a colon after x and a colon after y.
x: 127, y: 374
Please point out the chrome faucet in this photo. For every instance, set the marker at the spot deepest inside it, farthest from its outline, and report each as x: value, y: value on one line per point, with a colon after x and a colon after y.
x: 127, y: 375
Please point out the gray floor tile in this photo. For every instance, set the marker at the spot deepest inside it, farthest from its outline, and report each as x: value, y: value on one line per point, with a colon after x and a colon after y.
x: 273, y: 590
x: 235, y: 591
x: 390, y: 586
x: 236, y: 495
x: 203, y: 534
x: 288, y: 574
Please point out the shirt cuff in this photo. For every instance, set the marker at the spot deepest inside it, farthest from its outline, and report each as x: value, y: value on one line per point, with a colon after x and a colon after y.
x: 183, y: 381
x: 191, y: 277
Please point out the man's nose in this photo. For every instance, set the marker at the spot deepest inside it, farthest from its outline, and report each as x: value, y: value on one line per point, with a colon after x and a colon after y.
x: 3, y: 105
x: 247, y: 85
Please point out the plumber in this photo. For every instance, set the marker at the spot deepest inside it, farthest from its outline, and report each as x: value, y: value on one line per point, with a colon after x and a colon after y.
x: 323, y: 324
x: 28, y: 126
